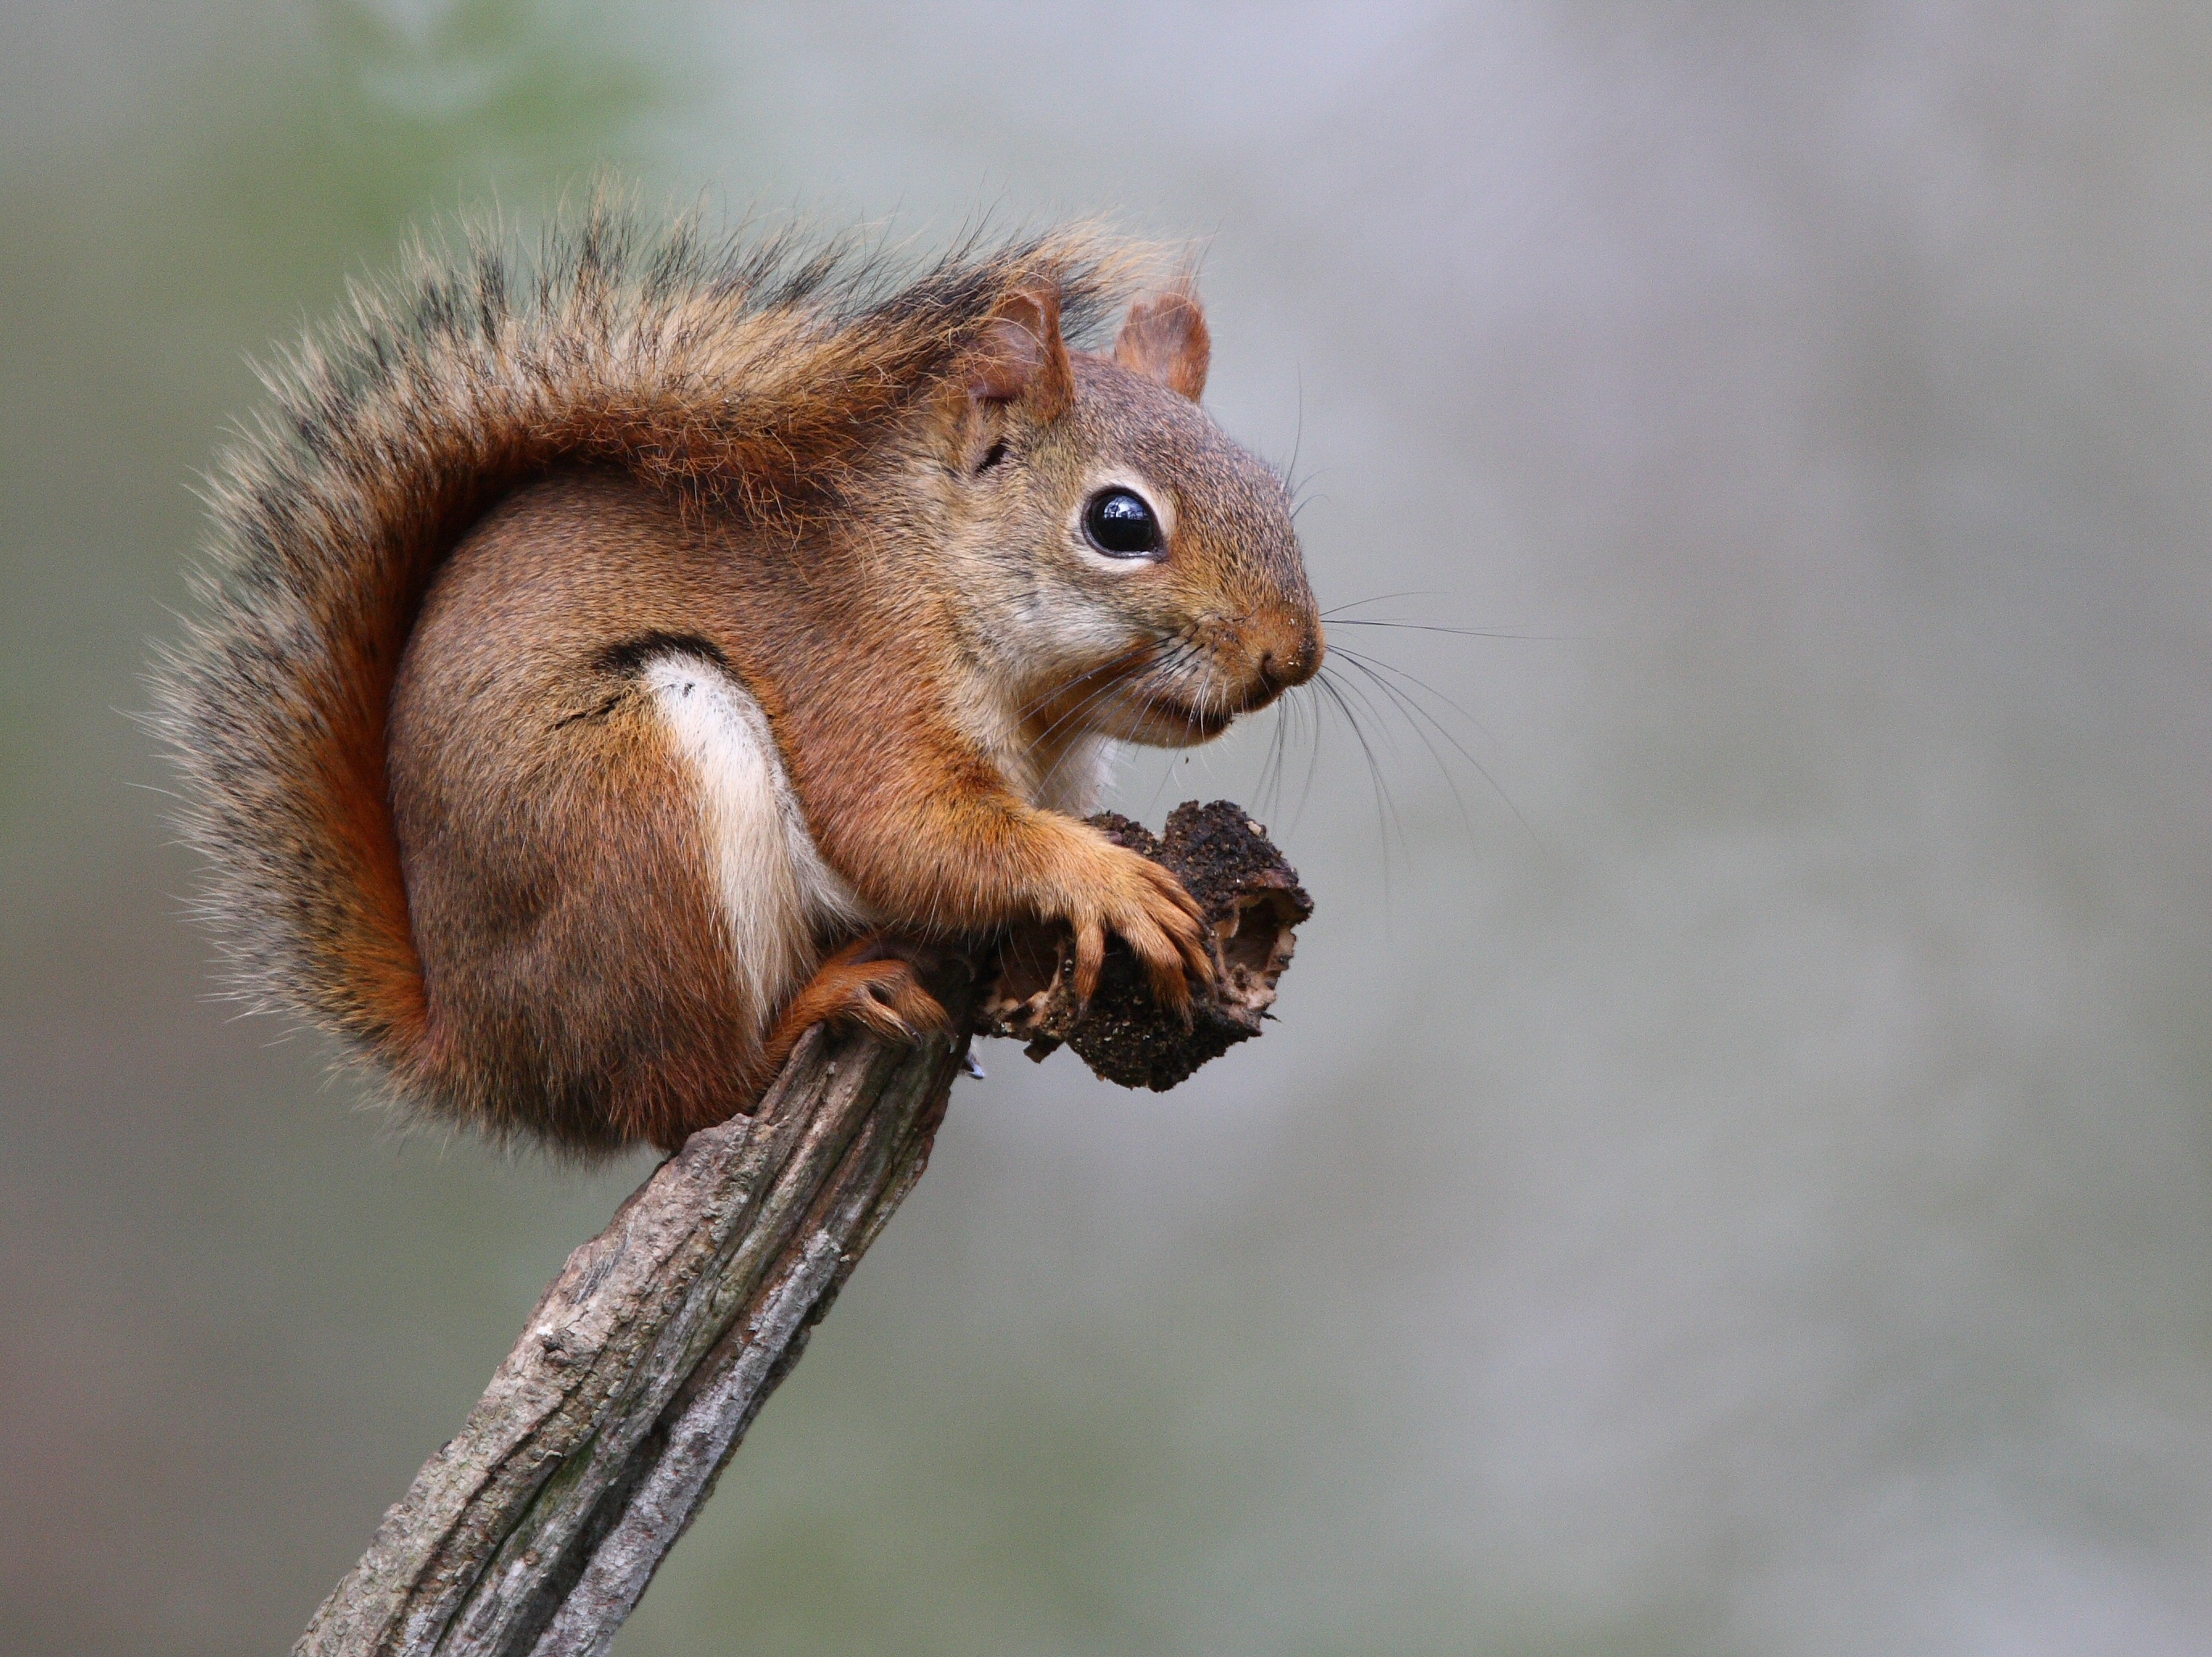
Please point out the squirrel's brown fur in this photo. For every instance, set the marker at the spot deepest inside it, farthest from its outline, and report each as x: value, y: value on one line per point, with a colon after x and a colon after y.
x: 433, y: 717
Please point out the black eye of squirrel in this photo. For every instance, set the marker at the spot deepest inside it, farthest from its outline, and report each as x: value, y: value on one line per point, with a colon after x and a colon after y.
x: 992, y: 456
x: 1121, y: 524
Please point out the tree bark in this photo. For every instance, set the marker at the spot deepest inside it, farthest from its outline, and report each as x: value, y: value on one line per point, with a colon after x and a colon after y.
x: 536, y: 1529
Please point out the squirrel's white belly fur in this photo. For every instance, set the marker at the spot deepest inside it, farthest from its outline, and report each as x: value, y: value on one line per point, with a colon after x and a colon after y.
x: 778, y: 894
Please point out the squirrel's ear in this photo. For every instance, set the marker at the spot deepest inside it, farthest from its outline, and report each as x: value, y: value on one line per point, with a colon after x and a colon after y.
x: 1020, y: 357
x: 1166, y: 340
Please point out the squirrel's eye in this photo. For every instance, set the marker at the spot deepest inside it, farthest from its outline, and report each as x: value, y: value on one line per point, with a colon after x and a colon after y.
x: 1121, y: 524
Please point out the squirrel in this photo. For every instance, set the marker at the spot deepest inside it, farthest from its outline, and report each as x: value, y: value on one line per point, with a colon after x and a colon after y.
x: 606, y: 669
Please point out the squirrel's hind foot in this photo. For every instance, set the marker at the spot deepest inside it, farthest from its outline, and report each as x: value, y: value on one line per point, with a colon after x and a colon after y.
x: 874, y: 982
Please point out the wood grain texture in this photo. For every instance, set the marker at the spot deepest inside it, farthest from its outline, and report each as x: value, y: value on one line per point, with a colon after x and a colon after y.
x: 537, y: 1527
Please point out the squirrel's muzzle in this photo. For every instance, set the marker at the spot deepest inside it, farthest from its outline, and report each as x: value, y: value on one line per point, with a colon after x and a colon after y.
x: 1287, y: 650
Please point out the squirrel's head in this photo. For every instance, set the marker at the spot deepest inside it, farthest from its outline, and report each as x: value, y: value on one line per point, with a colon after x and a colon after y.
x: 1132, y: 571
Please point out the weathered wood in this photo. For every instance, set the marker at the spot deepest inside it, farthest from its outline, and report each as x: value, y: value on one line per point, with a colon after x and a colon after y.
x: 537, y: 1527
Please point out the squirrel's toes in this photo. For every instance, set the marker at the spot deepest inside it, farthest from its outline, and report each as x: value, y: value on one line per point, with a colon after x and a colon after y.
x: 874, y: 982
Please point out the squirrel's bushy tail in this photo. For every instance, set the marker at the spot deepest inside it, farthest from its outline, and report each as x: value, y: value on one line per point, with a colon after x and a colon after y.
x: 755, y: 374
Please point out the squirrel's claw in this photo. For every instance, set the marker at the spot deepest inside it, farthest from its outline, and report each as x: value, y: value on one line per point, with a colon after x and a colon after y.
x: 1165, y: 929
x: 895, y: 1003
x: 1089, y: 958
x: 874, y: 982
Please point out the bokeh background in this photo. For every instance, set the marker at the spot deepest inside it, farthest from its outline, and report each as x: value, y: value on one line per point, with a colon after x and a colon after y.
x: 1735, y: 1172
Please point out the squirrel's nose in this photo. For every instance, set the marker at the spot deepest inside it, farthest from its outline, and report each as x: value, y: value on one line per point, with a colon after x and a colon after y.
x: 1281, y: 667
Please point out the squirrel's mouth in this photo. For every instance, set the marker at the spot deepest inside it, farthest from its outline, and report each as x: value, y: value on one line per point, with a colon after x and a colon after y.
x: 1201, y: 724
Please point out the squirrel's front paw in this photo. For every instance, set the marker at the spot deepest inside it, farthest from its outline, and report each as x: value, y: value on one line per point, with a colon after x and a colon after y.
x: 1148, y: 907
x: 875, y: 981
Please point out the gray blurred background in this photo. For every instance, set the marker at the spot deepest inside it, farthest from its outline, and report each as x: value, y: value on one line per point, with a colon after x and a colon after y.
x: 1736, y: 1179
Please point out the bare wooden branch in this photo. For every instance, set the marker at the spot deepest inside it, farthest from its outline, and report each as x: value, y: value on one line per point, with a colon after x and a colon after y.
x: 537, y: 1528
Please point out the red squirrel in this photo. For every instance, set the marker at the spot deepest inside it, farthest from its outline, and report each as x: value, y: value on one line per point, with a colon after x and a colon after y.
x: 606, y: 672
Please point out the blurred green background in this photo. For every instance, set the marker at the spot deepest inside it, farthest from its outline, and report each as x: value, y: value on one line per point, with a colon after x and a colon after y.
x: 1763, y: 1204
